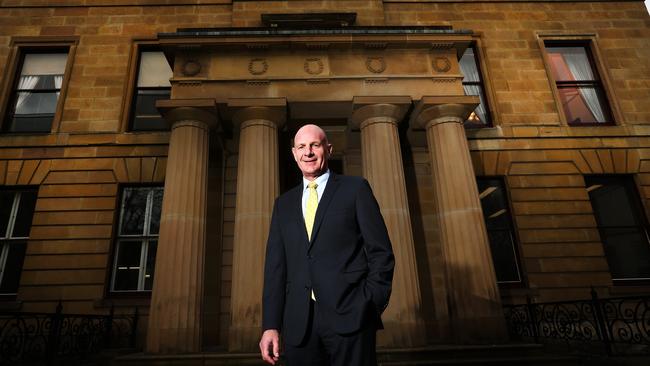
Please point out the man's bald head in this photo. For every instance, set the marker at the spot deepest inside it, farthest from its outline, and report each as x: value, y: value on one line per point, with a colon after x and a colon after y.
x: 311, y: 129
x: 311, y: 150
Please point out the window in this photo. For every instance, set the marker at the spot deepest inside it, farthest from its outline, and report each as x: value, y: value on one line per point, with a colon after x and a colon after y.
x: 473, y: 85
x: 137, y: 239
x: 500, y: 229
x: 36, y: 92
x: 152, y: 84
x: 16, y: 211
x: 579, y: 87
x: 622, y: 225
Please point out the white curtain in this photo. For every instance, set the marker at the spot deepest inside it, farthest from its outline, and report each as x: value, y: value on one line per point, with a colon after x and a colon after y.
x: 58, y: 81
x: 469, y: 70
x: 580, y: 68
x: 26, y: 82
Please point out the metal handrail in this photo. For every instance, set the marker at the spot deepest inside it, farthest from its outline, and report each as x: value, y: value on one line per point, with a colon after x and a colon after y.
x: 618, y: 324
x: 48, y: 338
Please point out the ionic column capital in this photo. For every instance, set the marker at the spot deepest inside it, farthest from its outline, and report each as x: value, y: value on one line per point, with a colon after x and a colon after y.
x: 370, y: 110
x: 200, y: 113
x: 270, y: 112
x: 431, y: 111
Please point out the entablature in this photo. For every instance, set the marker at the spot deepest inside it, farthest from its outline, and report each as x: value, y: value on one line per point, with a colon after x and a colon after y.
x: 313, y: 68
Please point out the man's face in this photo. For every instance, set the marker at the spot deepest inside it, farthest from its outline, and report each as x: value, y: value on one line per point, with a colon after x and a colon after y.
x: 311, y: 151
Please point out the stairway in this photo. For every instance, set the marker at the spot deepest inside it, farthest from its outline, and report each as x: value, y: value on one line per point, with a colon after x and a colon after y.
x: 507, y: 355
x: 475, y: 355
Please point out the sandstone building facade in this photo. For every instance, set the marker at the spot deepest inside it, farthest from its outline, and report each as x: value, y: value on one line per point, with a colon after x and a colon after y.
x: 143, y: 142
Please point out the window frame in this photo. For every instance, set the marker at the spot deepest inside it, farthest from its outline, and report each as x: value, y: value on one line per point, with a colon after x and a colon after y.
x: 7, y: 236
x: 514, y: 233
x: 144, y: 249
x: 630, y: 182
x: 19, y: 47
x: 131, y: 88
x: 485, y: 83
x: 598, y: 67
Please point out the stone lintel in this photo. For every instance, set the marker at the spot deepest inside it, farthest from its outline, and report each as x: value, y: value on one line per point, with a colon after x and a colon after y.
x: 243, y: 110
x: 378, y: 109
x: 440, y: 109
x: 177, y: 110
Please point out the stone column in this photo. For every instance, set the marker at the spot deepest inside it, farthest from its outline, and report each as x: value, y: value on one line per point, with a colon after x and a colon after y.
x: 475, y: 313
x: 257, y: 188
x: 377, y: 117
x: 175, y: 312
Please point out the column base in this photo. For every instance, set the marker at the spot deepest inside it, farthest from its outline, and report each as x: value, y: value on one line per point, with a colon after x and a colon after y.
x: 485, y: 330
x: 401, y: 335
x: 244, y: 338
x: 175, y: 341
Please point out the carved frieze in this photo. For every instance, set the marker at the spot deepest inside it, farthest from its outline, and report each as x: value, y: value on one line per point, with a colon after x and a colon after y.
x: 191, y: 68
x: 258, y: 66
x: 313, y: 65
x: 376, y: 65
x: 441, y: 64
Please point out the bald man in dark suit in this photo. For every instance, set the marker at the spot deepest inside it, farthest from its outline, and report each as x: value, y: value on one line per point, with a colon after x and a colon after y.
x: 329, y: 265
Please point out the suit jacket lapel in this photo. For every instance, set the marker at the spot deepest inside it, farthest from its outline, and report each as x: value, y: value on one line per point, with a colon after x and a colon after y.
x: 330, y: 188
x: 296, y: 212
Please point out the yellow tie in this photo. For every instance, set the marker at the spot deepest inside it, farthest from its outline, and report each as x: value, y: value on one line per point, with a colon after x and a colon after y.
x: 310, y: 209
x: 310, y: 214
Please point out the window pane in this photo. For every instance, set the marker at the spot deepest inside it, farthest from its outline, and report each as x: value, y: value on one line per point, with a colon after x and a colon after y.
x: 146, y: 117
x: 136, y: 249
x: 13, y: 267
x: 622, y: 225
x: 145, y: 103
x: 468, y: 66
x: 35, y: 103
x: 127, y: 268
x: 494, y: 204
x: 39, y: 82
x: 6, y: 203
x: 146, y: 123
x: 611, y: 203
x: 584, y: 104
x: 24, y: 214
x: 496, y: 211
x: 154, y: 70
x: 44, y: 64
x: 31, y: 123
x: 473, y: 85
x: 151, y: 265
x: 36, y: 93
x: 503, y: 255
x: 133, y: 215
x: 570, y: 63
x: 627, y: 251
x: 156, y: 208
x: 479, y: 117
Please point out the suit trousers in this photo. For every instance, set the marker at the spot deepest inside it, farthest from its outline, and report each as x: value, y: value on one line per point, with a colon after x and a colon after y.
x: 324, y: 347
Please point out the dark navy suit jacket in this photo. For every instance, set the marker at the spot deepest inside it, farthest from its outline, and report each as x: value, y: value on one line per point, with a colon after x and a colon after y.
x: 348, y: 262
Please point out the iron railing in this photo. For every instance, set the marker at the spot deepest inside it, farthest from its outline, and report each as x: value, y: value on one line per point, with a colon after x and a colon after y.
x: 617, y: 325
x: 50, y: 339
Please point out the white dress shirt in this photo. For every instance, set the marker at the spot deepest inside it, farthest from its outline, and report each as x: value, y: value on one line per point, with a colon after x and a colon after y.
x: 321, y: 181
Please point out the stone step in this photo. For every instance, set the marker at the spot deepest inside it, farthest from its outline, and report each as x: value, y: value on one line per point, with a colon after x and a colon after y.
x: 487, y: 361
x: 461, y: 351
x: 507, y: 355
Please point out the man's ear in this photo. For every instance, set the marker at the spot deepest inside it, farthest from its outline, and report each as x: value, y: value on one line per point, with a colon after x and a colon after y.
x: 295, y: 156
x: 329, y: 150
